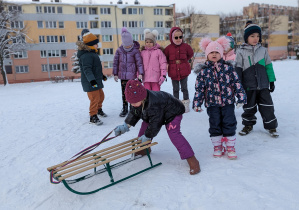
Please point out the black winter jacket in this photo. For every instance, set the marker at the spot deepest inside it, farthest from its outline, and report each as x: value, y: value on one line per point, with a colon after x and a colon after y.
x: 159, y: 108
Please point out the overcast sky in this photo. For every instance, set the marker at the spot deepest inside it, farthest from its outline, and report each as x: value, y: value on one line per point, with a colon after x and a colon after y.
x: 207, y: 6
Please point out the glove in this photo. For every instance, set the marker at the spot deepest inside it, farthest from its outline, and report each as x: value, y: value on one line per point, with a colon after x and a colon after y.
x: 121, y: 129
x: 197, y: 109
x: 116, y: 78
x: 272, y: 87
x: 140, y: 76
x: 104, y: 78
x: 143, y: 138
x: 239, y: 105
x: 161, y: 80
x: 93, y: 84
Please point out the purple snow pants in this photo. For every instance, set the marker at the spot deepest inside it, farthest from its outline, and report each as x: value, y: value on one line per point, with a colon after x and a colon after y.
x: 174, y: 132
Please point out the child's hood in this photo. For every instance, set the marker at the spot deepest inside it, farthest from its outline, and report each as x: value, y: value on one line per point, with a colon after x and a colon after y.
x: 249, y: 47
x: 198, y: 67
x: 82, y: 48
x: 171, y: 32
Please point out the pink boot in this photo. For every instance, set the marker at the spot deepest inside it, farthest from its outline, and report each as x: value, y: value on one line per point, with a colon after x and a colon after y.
x: 231, y: 152
x: 217, y: 151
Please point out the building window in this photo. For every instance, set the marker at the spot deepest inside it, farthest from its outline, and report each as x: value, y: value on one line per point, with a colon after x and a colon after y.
x: 107, y: 38
x: 80, y: 10
x: 8, y: 69
x: 59, y: 10
x: 49, y: 53
x: 135, y: 37
x: 124, y: 11
x: 108, y: 51
x: 160, y: 37
x: 168, y: 11
x: 81, y: 24
x: 168, y: 24
x: 49, y: 9
x: 22, y: 69
x: 52, y: 39
x: 16, y: 24
x: 39, y: 9
x: 108, y: 65
x: 158, y: 24
x: 15, y: 8
x: 140, y: 11
x: 125, y: 24
x: 141, y: 37
x: 106, y: 24
x: 63, y: 53
x: 105, y: 11
x: 40, y: 24
x: 61, y: 24
x: 20, y: 39
x: 93, y: 24
x: 93, y: 11
x: 132, y: 11
x: 51, y: 24
x: 167, y: 36
x: 42, y: 39
x: 158, y: 11
x: 141, y: 24
x: 62, y: 38
x: 133, y: 24
x: 54, y: 67
x: 21, y: 54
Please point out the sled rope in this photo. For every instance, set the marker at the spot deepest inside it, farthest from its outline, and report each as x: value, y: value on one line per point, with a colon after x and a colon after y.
x: 79, y: 154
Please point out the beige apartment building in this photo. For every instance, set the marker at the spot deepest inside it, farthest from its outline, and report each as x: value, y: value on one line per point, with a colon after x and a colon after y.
x: 54, y: 27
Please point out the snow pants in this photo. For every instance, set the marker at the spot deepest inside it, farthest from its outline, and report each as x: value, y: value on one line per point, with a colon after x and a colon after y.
x: 174, y: 132
x: 96, y: 99
x: 152, y: 86
x: 222, y: 120
x: 263, y: 100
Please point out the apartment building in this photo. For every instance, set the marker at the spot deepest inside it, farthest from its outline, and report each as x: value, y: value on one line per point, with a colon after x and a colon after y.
x: 54, y: 27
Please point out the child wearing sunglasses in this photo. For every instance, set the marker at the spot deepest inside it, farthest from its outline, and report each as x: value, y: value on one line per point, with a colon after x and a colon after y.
x: 178, y: 54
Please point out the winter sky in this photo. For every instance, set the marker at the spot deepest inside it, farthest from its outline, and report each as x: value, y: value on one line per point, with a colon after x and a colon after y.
x: 208, y: 7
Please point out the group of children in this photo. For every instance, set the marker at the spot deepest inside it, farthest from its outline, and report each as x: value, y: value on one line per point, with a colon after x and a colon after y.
x: 221, y: 79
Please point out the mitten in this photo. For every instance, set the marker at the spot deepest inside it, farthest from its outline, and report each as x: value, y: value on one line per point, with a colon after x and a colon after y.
x: 161, y: 80
x: 197, y: 109
x: 121, y: 129
x: 93, y: 84
x: 239, y: 105
x: 116, y: 78
x: 272, y: 87
x: 140, y: 76
x: 104, y: 78
x: 143, y: 138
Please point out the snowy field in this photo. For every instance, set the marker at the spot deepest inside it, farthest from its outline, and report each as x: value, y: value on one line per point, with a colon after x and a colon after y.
x: 43, y: 124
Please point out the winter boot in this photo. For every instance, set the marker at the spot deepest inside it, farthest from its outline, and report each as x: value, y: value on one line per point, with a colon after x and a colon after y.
x: 194, y: 165
x: 124, y: 111
x: 95, y: 120
x: 273, y: 133
x: 143, y: 152
x: 101, y: 113
x: 231, y: 152
x: 217, y: 151
x: 246, y: 130
x: 186, y: 104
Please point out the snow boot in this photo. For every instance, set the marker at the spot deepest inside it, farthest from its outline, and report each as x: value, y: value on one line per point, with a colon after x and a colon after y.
x: 124, y: 111
x: 194, y: 165
x: 273, y: 133
x: 186, y: 104
x: 143, y: 152
x: 101, y: 113
x: 95, y: 120
x: 231, y: 152
x: 246, y: 130
x: 217, y: 151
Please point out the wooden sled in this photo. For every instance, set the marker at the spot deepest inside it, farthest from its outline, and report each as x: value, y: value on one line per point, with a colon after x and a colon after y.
x: 67, y: 169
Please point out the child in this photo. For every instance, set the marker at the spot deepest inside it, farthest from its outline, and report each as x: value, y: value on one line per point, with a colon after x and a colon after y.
x: 229, y: 55
x: 157, y: 108
x: 217, y: 83
x: 154, y: 62
x: 255, y: 71
x: 127, y: 62
x: 178, y: 54
x: 91, y: 74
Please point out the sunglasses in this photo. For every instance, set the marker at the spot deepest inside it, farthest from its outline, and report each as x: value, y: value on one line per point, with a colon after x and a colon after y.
x: 178, y: 37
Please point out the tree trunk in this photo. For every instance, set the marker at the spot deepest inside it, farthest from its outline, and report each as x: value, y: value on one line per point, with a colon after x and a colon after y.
x: 3, y: 72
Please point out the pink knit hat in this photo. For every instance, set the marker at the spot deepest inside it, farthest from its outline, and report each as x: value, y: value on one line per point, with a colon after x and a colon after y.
x: 135, y: 91
x: 208, y: 46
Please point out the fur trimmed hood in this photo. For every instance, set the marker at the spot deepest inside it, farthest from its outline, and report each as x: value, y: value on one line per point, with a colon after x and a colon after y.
x: 82, y: 46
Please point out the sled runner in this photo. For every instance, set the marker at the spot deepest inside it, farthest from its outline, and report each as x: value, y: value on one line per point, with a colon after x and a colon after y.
x: 68, y: 169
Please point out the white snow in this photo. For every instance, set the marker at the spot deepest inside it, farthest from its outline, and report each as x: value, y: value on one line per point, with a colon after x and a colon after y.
x: 43, y: 124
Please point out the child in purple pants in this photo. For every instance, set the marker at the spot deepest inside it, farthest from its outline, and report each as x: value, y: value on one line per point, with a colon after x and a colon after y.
x: 157, y: 108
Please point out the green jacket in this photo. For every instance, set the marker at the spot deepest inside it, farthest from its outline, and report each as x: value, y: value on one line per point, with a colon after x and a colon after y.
x: 254, y: 67
x: 91, y: 67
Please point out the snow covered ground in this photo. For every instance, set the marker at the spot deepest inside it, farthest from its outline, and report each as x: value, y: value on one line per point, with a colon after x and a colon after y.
x: 42, y: 124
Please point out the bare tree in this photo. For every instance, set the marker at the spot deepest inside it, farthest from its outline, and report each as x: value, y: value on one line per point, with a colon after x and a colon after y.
x: 12, y: 35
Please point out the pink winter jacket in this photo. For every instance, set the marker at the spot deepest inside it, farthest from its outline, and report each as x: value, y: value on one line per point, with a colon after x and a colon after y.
x: 154, y: 64
x: 230, y: 56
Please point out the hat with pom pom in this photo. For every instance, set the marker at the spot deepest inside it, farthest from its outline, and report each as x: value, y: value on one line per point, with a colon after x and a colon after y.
x: 208, y: 46
x: 231, y: 40
x: 135, y: 91
x: 251, y: 28
x: 126, y: 37
x: 151, y: 35
x: 90, y: 39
